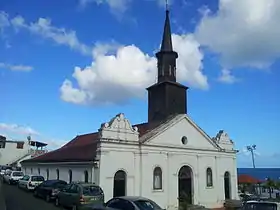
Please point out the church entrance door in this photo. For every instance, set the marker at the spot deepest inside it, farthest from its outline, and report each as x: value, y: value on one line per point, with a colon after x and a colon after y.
x: 185, y: 186
x: 119, y: 188
x: 227, y: 185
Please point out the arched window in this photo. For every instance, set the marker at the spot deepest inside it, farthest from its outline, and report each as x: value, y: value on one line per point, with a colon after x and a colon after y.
x: 209, y: 177
x: 39, y: 171
x: 31, y: 170
x: 86, y: 176
x: 48, y: 174
x: 70, y: 176
x: 57, y: 174
x: 157, y: 180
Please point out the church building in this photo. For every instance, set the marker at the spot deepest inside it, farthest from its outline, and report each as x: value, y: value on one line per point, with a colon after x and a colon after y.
x: 164, y: 159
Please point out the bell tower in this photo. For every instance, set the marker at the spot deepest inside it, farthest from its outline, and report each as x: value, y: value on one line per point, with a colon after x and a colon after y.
x: 166, y: 97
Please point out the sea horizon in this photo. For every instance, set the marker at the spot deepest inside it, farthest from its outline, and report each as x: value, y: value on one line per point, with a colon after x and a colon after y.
x: 261, y: 173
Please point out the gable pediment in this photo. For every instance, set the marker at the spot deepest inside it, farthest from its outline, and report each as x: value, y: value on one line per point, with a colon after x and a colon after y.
x: 180, y: 131
x: 119, y: 128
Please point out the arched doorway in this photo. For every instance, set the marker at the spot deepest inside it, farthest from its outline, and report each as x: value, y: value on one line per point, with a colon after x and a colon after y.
x: 185, y: 185
x: 119, y: 188
x: 227, y: 185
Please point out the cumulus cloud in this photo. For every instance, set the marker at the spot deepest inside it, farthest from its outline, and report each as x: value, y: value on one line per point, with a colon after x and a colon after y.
x: 44, y: 28
x: 243, y: 32
x: 11, y: 67
x: 17, y: 129
x: 119, y: 73
x: 20, y: 132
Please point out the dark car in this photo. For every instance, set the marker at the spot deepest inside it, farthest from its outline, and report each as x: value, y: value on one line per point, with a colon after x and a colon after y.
x: 132, y: 203
x: 80, y: 196
x: 49, y: 189
x: 260, y: 205
x: 98, y: 208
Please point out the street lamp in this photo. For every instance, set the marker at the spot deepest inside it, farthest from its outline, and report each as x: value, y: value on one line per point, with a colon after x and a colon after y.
x: 251, y: 149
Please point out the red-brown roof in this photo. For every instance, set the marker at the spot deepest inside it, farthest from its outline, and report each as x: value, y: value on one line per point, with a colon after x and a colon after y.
x: 81, y: 148
x: 247, y: 179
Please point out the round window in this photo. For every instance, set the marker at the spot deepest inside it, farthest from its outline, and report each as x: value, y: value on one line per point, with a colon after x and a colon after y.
x: 184, y: 140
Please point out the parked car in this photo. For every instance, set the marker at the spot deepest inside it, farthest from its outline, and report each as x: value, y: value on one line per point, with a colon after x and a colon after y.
x: 4, y: 169
x: 261, y: 205
x: 98, y: 207
x: 132, y: 203
x: 80, y: 196
x: 12, y: 177
x: 29, y: 182
x: 49, y: 189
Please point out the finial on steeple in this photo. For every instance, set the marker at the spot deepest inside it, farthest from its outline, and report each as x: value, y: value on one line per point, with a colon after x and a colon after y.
x: 166, y: 5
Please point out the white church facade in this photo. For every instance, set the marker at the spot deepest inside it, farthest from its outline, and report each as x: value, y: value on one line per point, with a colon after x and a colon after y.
x: 164, y: 159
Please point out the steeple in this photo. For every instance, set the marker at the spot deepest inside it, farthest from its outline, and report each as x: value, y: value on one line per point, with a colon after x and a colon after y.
x: 167, y: 97
x: 166, y: 44
x: 166, y: 56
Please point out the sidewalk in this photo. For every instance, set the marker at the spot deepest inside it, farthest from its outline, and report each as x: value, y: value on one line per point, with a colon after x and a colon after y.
x: 2, y: 200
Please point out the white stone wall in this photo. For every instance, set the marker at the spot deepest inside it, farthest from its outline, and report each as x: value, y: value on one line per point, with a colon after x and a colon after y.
x: 11, y: 153
x: 141, y: 183
x: 77, y: 171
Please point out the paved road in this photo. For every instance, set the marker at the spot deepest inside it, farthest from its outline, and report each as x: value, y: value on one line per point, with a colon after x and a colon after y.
x: 17, y: 199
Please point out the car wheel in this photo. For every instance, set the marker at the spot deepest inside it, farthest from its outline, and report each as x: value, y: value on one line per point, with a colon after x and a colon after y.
x: 48, y: 198
x: 56, y: 202
x: 74, y: 207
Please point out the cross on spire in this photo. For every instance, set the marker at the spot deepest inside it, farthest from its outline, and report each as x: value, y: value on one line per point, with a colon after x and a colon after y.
x: 166, y: 5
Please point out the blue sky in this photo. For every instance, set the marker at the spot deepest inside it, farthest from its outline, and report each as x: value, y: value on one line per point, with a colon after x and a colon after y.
x: 68, y: 66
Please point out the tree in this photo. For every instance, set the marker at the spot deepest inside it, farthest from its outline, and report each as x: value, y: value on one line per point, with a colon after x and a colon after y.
x: 270, y: 184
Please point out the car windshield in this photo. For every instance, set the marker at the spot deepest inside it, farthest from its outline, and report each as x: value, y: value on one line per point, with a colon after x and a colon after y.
x: 146, y: 205
x: 18, y: 173
x: 37, y: 178
x: 92, y: 190
x: 260, y: 206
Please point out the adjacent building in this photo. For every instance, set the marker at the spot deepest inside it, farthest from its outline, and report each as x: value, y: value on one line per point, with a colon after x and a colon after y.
x: 164, y: 159
x: 12, y: 152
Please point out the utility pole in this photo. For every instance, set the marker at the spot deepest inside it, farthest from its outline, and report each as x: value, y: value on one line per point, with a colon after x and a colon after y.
x: 252, y: 149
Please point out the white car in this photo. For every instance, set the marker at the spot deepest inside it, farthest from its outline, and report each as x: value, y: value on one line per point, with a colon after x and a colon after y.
x: 29, y: 182
x: 12, y: 177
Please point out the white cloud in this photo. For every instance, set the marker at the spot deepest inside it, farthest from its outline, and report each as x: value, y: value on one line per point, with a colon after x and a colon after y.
x: 227, y: 77
x: 243, y: 32
x: 43, y: 27
x: 16, y: 67
x: 17, y: 129
x: 116, y: 6
x: 119, y: 73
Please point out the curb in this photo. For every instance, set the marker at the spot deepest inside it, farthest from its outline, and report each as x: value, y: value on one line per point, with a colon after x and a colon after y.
x: 2, y: 199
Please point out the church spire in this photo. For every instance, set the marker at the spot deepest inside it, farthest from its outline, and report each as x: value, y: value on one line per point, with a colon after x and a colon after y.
x: 166, y: 56
x: 167, y: 97
x: 166, y: 44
